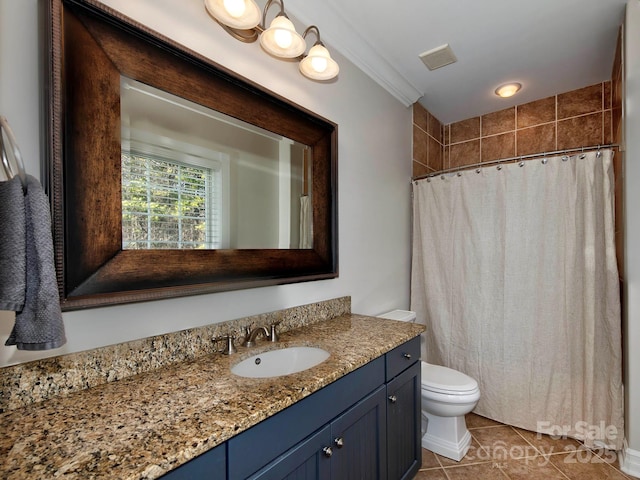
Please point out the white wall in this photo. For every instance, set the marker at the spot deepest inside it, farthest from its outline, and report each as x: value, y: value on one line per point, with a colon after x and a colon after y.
x: 631, y: 462
x: 374, y: 158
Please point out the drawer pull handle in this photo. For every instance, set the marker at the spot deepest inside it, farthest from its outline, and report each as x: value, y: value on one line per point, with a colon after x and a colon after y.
x: 393, y: 398
x: 407, y: 356
x: 339, y: 442
x: 327, y: 451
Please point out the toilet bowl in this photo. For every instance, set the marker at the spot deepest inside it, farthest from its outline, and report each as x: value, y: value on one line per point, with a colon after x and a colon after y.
x: 447, y: 395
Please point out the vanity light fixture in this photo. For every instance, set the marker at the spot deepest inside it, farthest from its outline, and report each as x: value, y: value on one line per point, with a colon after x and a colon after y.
x: 242, y: 20
x: 508, y: 89
x: 318, y: 64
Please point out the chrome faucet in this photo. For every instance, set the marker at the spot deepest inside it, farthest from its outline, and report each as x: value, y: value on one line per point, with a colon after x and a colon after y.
x: 250, y: 339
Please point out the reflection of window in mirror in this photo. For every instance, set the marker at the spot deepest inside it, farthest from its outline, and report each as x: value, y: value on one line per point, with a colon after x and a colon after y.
x: 194, y: 178
x: 168, y: 203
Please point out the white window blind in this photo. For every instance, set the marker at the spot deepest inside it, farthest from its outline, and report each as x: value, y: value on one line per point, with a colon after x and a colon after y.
x: 167, y: 204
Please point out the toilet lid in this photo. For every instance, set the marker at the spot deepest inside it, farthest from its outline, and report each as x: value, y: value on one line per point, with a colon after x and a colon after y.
x: 446, y: 380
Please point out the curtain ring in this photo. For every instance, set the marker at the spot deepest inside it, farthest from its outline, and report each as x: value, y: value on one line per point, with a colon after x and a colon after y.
x: 499, y: 167
x: 459, y: 174
x: 477, y: 170
x: 521, y: 164
x: 544, y: 161
x: 565, y: 158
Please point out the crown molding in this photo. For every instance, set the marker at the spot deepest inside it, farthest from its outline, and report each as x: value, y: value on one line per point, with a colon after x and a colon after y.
x: 337, y: 31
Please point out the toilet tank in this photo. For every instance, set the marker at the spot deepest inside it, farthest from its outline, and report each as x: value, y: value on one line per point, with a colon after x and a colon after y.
x: 401, y: 315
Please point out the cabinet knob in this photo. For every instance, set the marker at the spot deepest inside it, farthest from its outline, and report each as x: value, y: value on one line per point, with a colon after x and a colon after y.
x: 327, y: 451
x: 393, y: 398
x: 407, y: 356
x: 339, y: 441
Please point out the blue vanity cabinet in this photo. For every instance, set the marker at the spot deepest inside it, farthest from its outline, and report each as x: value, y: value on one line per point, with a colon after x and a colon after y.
x: 211, y: 465
x: 359, y: 440
x: 258, y: 447
x: 351, y: 446
x: 310, y: 460
x: 404, y: 450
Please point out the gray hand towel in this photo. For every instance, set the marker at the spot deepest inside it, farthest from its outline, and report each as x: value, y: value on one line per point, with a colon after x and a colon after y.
x: 12, y: 245
x: 39, y: 324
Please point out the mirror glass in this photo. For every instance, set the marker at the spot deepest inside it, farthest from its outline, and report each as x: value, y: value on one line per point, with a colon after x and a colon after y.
x: 195, y: 178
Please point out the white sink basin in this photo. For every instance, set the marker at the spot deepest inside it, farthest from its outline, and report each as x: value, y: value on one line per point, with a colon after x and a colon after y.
x: 276, y: 363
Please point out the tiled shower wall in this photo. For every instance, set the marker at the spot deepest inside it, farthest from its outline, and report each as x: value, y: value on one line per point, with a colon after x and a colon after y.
x: 580, y: 118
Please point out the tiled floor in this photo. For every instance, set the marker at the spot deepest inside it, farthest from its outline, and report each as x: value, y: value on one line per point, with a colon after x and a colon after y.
x: 501, y: 452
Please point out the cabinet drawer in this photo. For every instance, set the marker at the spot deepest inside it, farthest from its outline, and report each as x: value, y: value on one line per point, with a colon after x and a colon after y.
x: 402, y: 357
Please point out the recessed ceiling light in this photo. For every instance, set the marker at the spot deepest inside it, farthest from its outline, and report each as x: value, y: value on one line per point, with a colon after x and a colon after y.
x: 508, y: 89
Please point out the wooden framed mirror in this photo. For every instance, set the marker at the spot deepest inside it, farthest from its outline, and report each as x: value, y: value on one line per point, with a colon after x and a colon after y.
x: 92, y: 52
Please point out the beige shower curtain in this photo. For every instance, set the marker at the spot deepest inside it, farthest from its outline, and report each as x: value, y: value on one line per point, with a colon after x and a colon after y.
x: 514, y: 274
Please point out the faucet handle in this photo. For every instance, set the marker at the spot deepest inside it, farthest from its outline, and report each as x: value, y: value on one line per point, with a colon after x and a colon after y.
x: 273, y: 334
x: 229, y: 345
x: 231, y: 348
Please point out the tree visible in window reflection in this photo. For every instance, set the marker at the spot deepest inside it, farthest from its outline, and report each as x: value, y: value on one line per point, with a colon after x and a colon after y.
x: 164, y: 204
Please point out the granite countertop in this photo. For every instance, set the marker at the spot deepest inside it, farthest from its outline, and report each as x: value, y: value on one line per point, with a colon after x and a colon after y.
x: 143, y: 426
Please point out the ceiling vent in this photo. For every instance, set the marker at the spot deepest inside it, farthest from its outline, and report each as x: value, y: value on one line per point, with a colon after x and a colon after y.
x: 438, y: 57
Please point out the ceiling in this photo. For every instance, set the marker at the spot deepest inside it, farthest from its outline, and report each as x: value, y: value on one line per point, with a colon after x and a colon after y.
x: 550, y: 46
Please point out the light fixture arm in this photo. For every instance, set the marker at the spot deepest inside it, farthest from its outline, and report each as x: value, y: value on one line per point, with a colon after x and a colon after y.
x: 246, y: 36
x: 309, y: 29
x: 263, y: 25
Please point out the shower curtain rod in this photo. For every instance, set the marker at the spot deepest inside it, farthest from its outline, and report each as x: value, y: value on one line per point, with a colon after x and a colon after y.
x: 511, y: 159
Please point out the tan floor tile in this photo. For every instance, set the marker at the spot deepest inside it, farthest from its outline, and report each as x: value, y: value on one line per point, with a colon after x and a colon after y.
x: 585, y: 465
x: 478, y: 421
x: 433, y: 474
x: 510, y: 454
x: 503, y: 443
x: 478, y: 471
x: 535, y: 468
x: 549, y: 445
x: 429, y: 460
x: 609, y: 456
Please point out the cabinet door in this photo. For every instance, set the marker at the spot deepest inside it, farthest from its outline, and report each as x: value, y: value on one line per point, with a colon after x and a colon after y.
x: 359, y: 440
x: 403, y: 424
x: 307, y: 461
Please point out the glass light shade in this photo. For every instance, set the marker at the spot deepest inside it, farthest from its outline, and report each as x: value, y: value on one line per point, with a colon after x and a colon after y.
x: 235, y: 8
x: 508, y: 89
x: 319, y: 65
x: 281, y: 39
x: 240, y: 14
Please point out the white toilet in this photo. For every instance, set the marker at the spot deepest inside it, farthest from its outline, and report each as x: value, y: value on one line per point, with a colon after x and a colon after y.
x: 447, y: 396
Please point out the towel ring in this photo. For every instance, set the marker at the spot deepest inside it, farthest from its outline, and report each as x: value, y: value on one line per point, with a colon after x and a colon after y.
x: 4, y: 126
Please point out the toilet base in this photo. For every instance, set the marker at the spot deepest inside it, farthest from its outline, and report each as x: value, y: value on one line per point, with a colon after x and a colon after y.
x: 446, y: 436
